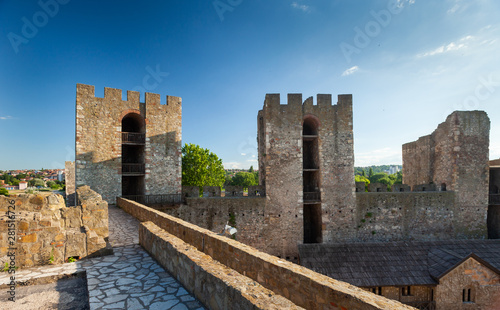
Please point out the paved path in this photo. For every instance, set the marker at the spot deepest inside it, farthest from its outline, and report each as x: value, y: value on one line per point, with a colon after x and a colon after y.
x: 129, y: 279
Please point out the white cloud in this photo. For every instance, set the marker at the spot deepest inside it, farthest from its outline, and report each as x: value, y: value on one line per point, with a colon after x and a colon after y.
x: 5, y: 117
x: 243, y: 154
x: 350, y: 71
x: 402, y: 3
x: 458, y: 6
x: 494, y: 150
x: 385, y: 156
x: 233, y: 165
x: 302, y: 7
x: 450, y: 47
x: 454, y: 9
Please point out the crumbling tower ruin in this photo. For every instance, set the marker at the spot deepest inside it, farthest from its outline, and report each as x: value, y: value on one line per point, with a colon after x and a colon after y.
x: 455, y: 157
x: 127, y: 147
x: 306, y: 163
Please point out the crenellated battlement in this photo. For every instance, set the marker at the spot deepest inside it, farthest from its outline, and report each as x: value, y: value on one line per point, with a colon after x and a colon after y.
x: 133, y: 97
x: 135, y: 146
x: 295, y: 100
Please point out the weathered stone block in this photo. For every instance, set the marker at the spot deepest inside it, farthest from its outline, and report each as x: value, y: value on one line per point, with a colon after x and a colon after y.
x: 75, y: 244
x: 360, y: 187
x: 23, y: 226
x: 190, y: 191
x: 72, y: 217
x: 31, y: 238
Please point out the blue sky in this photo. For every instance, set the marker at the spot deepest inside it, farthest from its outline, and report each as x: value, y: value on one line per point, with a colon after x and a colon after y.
x: 408, y: 64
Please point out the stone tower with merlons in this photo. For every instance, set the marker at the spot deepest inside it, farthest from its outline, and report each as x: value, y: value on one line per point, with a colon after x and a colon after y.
x: 127, y: 147
x: 306, y: 163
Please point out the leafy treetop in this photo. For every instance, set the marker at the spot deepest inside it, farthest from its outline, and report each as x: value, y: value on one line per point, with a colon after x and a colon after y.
x: 200, y: 167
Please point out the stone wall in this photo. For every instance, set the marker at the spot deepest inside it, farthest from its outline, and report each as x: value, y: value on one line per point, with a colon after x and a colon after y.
x: 455, y: 156
x: 281, y: 154
x: 99, y: 140
x: 303, y: 287
x: 419, y: 216
x: 46, y: 228
x: 378, y: 216
x: 471, y: 274
x: 246, y: 214
x: 69, y: 170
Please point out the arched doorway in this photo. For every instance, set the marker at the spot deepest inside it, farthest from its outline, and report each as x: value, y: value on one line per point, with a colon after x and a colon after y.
x: 311, y: 182
x: 133, y: 161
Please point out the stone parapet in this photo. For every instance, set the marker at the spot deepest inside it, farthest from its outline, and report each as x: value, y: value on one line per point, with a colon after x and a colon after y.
x: 211, y: 191
x: 303, y: 287
x: 233, y: 191
x: 190, y: 191
x: 223, y: 288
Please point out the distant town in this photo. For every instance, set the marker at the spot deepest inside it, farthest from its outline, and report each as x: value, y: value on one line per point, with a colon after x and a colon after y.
x: 30, y: 179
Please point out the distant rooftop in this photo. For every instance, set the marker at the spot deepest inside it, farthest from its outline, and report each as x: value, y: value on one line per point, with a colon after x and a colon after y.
x: 396, y: 263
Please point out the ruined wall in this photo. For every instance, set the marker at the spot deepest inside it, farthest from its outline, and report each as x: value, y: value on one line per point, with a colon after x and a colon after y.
x: 455, y: 156
x: 471, y: 274
x: 69, y: 170
x: 281, y: 167
x: 423, y: 216
x: 45, y: 227
x: 99, y: 140
x: 417, y: 161
x: 303, y: 287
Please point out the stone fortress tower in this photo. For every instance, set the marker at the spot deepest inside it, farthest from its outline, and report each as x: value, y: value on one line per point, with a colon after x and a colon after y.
x: 306, y: 163
x: 127, y: 147
x: 455, y: 157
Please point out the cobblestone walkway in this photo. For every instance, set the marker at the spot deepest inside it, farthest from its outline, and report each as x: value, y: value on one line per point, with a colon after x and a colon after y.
x: 129, y: 279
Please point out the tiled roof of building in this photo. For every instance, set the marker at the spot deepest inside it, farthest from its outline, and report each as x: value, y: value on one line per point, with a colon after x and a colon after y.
x: 395, y: 263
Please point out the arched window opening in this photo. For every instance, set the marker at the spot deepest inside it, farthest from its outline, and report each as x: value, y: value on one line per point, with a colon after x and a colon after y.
x: 311, y: 182
x: 310, y: 127
x: 133, y: 122
x: 133, y: 157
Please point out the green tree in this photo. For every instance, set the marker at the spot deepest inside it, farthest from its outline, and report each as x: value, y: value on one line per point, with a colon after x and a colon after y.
x: 251, y: 169
x: 244, y: 179
x: 36, y: 182
x: 375, y: 178
x: 50, y: 183
x: 200, y: 167
x: 4, y: 191
x: 370, y: 173
x: 228, y: 180
x: 399, y: 178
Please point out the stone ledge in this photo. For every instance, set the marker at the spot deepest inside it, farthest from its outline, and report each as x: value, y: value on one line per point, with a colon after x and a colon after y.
x: 300, y: 285
x: 213, y: 283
